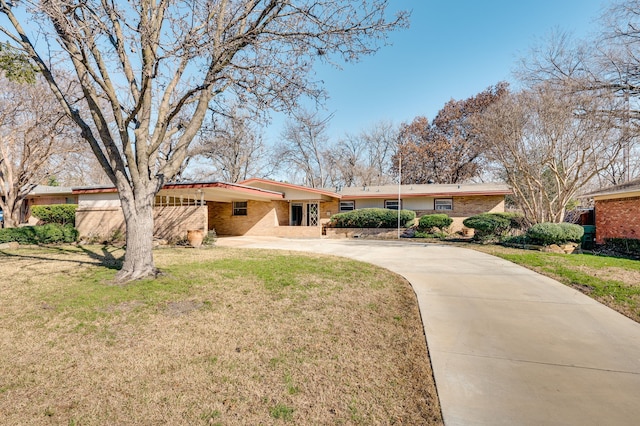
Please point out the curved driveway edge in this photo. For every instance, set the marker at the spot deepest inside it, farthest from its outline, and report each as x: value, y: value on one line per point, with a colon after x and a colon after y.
x: 508, y: 346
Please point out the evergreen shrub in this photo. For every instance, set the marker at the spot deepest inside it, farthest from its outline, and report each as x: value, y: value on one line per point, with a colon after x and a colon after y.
x: 56, y: 213
x: 371, y: 218
x: 440, y: 221
x: 494, y: 225
x: 51, y: 233
x: 625, y: 246
x: 554, y: 233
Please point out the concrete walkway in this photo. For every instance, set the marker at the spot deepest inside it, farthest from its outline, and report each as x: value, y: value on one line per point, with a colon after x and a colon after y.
x: 507, y: 346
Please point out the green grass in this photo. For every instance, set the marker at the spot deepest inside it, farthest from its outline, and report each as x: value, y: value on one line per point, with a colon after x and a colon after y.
x: 281, y: 411
x: 89, y: 294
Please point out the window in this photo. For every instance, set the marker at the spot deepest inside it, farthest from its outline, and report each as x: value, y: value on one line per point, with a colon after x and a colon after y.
x: 170, y: 201
x: 391, y: 204
x: 239, y: 208
x: 443, y: 204
x: 347, y: 206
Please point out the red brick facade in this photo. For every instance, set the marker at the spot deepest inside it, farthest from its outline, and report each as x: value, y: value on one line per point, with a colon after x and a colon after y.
x: 617, y: 218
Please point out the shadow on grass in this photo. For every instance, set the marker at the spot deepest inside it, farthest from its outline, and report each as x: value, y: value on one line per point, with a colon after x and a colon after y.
x: 103, y: 258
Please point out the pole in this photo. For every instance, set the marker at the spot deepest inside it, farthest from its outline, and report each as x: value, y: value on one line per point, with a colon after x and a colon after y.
x: 399, y: 189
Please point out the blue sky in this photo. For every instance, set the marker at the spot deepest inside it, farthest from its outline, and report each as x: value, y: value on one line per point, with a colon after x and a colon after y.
x: 454, y: 49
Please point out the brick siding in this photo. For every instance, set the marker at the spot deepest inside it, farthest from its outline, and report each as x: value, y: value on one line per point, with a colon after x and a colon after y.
x: 170, y: 222
x: 618, y: 218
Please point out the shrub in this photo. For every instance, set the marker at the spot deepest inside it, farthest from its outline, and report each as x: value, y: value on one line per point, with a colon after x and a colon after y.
x: 210, y: 239
x: 494, y: 225
x: 371, y: 218
x: 626, y: 246
x: 545, y: 233
x: 487, y: 224
x: 56, y: 213
x: 50, y: 233
x: 437, y: 235
x: 24, y: 235
x: 430, y: 221
x: 554, y: 233
x: 70, y: 234
x: 572, y: 232
x: 515, y: 240
x: 516, y: 220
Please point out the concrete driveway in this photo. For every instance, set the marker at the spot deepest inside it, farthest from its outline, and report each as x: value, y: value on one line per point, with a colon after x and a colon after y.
x: 507, y: 346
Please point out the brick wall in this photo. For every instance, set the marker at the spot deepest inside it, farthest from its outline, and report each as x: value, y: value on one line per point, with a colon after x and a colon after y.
x: 170, y: 223
x: 99, y: 223
x: 262, y: 217
x: 617, y: 218
x: 173, y: 222
x: 328, y: 209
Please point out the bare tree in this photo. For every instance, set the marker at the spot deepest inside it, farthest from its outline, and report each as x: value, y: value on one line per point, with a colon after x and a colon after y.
x: 608, y: 62
x: 549, y: 144
x: 151, y: 72
x: 304, y: 148
x: 381, y: 145
x: 365, y: 159
x: 36, y: 142
x: 233, y: 149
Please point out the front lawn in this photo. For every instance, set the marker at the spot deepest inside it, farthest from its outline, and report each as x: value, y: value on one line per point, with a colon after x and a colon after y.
x: 612, y: 281
x: 225, y: 336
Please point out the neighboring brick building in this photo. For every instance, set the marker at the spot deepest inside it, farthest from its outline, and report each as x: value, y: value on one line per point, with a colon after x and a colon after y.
x: 617, y: 211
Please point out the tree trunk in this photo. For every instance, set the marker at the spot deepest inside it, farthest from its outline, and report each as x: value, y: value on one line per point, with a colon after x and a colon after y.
x: 12, y: 209
x: 138, y: 258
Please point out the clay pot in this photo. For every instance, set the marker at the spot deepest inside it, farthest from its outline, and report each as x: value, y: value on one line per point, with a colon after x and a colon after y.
x: 195, y: 237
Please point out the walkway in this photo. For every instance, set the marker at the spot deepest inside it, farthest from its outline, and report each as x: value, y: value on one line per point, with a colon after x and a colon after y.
x: 507, y: 346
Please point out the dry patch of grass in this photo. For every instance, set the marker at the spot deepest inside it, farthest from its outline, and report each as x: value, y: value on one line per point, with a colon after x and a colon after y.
x: 614, y: 282
x: 225, y: 337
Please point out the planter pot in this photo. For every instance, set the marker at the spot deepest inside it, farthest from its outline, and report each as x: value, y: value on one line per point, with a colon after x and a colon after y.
x: 195, y: 237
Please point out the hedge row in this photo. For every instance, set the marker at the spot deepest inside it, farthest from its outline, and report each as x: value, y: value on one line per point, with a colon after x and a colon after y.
x: 56, y: 213
x: 371, y: 218
x: 627, y: 246
x: 50, y: 233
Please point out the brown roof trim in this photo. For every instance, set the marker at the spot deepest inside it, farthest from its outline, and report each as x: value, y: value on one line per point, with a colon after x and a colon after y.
x: 102, y: 190
x: 222, y: 185
x: 291, y: 186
